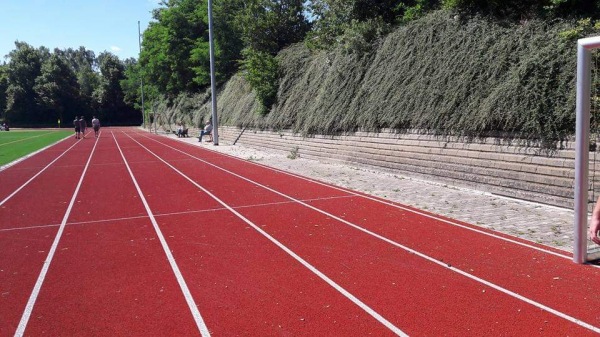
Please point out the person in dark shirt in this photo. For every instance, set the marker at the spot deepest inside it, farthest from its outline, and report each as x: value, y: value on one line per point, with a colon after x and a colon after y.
x: 77, y: 128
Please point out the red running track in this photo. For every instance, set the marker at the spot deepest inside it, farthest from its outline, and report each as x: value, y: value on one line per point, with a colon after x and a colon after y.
x: 137, y: 234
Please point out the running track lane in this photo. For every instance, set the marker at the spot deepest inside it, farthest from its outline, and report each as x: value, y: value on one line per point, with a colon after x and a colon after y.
x: 110, y: 275
x: 243, y: 284
x: 558, y: 289
x: 246, y: 205
x: 29, y: 224
x: 14, y: 176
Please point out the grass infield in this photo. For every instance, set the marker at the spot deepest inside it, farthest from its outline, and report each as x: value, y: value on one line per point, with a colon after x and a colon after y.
x: 15, y: 144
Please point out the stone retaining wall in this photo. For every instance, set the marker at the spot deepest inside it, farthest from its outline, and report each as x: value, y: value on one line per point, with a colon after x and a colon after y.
x: 521, y: 172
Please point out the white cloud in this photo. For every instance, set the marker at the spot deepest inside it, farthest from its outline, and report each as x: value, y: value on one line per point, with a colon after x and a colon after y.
x: 115, y: 49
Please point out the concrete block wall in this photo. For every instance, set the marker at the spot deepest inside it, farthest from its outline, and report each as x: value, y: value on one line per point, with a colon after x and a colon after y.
x: 527, y: 173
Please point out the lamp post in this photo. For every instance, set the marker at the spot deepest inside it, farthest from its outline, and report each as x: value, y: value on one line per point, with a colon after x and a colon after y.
x: 213, y: 90
x: 141, y: 75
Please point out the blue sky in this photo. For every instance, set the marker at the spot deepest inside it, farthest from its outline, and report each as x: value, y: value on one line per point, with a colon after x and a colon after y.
x: 98, y: 25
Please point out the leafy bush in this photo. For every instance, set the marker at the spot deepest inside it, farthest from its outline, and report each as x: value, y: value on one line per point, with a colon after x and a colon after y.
x: 261, y: 71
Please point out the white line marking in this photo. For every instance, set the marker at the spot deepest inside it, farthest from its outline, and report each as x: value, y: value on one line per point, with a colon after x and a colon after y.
x: 184, y: 288
x: 424, y: 256
x: 28, y: 227
x: 158, y: 215
x: 562, y: 255
x: 40, y: 172
x: 40, y: 280
x: 28, y: 138
x: 332, y: 283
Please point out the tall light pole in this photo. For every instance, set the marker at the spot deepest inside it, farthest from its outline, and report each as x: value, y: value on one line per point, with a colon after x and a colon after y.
x: 141, y: 75
x: 213, y: 90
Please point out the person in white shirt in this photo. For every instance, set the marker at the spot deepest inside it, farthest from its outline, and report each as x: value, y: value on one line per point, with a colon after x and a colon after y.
x: 96, y: 125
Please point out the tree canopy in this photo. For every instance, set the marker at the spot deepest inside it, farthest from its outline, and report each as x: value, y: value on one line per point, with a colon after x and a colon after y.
x: 39, y: 85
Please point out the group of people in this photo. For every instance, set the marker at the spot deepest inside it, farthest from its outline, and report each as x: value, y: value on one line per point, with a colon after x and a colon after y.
x: 182, y: 131
x: 81, y: 126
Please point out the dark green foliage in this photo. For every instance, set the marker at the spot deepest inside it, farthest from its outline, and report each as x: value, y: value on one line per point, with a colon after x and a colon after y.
x: 228, y: 37
x: 57, y: 91
x: 356, y: 24
x: 175, y: 52
x: 24, y: 67
x: 261, y: 71
x: 132, y: 93
x: 437, y: 74
x: 3, y: 87
x: 527, y: 9
x: 109, y: 94
x: 38, y: 87
x: 266, y: 27
x: 271, y: 25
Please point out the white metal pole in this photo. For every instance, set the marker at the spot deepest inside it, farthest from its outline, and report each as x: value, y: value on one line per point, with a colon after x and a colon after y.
x: 213, y: 90
x: 141, y: 75
x: 584, y: 47
x: 582, y: 127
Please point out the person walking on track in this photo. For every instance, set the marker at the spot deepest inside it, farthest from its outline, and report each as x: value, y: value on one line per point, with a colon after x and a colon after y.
x: 96, y: 126
x: 82, y: 126
x: 77, y: 127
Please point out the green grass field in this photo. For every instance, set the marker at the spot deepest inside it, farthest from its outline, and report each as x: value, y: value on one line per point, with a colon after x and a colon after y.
x: 15, y: 144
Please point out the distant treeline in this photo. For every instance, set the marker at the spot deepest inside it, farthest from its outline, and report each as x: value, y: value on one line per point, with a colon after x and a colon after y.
x: 37, y: 85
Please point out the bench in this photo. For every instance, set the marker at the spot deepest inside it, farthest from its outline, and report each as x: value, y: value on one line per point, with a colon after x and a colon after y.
x: 183, y: 133
x: 204, y: 133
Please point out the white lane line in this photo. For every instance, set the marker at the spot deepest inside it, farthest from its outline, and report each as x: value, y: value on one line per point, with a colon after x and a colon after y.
x: 40, y: 280
x: 408, y: 249
x: 158, y: 215
x: 28, y: 138
x: 40, y: 172
x: 313, y: 269
x: 431, y: 216
x: 28, y: 227
x: 182, y: 284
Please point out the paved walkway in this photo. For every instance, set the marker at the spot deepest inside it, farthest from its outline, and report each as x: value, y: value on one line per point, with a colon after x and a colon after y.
x: 548, y: 225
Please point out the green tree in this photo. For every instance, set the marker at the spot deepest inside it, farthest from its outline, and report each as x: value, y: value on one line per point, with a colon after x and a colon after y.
x: 84, y: 62
x: 357, y: 23
x: 228, y: 37
x: 268, y: 26
x: 271, y: 25
x: 131, y: 84
x: 3, y: 87
x: 173, y: 54
x: 525, y: 9
x: 23, y: 68
x: 154, y: 57
x: 109, y: 95
x: 261, y: 71
x: 57, y: 90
